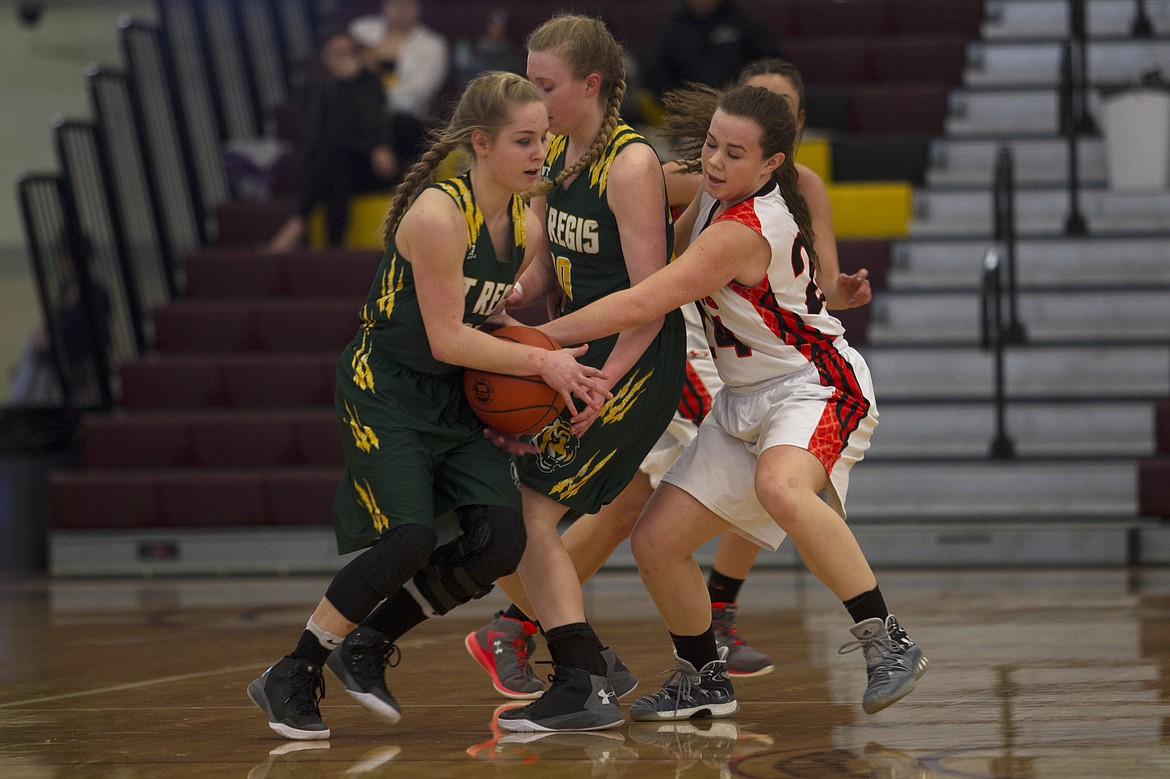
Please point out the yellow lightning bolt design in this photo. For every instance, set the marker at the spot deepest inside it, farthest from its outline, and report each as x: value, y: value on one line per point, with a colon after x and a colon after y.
x: 363, y: 377
x: 458, y: 189
x: 363, y: 436
x: 617, y: 406
x: 519, y: 227
x: 371, y: 506
x: 599, y: 171
x: 569, y: 487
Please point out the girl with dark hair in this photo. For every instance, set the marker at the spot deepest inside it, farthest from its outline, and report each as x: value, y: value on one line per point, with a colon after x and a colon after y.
x: 795, y: 414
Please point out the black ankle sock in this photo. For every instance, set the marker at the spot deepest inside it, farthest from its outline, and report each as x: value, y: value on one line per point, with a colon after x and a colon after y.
x: 396, y: 615
x: 576, y: 644
x: 514, y: 612
x: 722, y: 588
x: 868, y: 605
x: 309, y: 648
x: 696, y: 650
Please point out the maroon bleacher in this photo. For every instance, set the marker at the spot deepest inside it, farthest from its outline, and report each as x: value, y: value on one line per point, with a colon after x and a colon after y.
x: 1154, y: 472
x: 229, y: 421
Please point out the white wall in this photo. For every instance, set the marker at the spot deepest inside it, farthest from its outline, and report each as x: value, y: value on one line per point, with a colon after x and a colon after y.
x: 42, y: 76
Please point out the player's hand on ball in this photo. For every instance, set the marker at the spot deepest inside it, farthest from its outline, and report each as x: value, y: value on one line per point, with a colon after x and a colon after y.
x: 583, y: 420
x: 561, y: 371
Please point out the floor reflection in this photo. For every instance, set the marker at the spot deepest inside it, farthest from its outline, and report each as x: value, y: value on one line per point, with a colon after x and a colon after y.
x: 1033, y: 675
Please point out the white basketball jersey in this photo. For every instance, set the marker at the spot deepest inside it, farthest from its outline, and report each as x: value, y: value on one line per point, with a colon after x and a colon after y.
x: 780, y: 325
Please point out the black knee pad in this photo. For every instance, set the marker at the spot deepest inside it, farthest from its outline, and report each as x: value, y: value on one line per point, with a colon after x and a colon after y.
x: 380, y: 570
x: 490, y: 546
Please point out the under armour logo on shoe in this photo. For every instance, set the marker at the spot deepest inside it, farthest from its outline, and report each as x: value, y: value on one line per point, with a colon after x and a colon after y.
x: 605, y: 695
x: 499, y: 646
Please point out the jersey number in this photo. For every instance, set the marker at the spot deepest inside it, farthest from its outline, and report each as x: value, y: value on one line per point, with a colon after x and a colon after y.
x: 814, y: 299
x: 564, y: 269
x: 724, y: 338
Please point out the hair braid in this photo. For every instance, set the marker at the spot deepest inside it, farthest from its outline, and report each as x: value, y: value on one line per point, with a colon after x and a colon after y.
x: 417, y: 179
x: 587, y: 46
x: 785, y: 177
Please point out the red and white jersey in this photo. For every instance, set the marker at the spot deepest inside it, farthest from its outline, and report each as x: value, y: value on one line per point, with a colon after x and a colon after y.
x: 781, y: 325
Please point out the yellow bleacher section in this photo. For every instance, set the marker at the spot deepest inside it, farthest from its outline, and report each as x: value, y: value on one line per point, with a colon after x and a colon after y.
x: 862, y: 209
x: 868, y: 209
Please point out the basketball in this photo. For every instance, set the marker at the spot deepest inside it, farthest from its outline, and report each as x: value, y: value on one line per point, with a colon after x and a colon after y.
x: 516, y: 405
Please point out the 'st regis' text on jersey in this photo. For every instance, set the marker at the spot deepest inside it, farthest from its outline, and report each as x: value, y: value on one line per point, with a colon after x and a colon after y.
x: 572, y: 232
x: 489, y: 298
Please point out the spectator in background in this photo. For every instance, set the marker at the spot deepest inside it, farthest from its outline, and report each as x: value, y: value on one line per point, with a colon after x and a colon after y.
x: 41, y: 371
x: 493, y: 51
x: 413, y: 62
x: 707, y: 42
x: 349, y: 142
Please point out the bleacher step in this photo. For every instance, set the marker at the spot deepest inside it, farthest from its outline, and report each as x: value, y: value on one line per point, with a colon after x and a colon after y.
x: 1070, y: 262
x: 1087, y: 315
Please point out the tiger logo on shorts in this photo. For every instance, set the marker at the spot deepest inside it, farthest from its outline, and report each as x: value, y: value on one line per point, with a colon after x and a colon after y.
x: 558, y: 446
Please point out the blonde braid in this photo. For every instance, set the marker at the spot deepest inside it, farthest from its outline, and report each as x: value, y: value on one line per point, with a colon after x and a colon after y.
x: 412, y: 185
x: 604, y: 135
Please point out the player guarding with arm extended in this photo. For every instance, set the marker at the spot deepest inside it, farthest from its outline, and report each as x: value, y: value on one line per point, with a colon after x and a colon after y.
x: 795, y: 414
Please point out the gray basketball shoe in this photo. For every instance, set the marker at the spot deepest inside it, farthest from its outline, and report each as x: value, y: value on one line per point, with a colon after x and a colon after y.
x: 504, y: 649
x: 742, y: 659
x: 893, y: 662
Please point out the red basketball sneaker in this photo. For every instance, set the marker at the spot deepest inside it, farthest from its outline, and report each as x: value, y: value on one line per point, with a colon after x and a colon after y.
x: 503, y: 647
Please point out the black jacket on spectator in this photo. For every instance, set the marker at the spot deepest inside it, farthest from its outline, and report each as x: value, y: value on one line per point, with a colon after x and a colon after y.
x: 345, y: 120
x: 708, y: 50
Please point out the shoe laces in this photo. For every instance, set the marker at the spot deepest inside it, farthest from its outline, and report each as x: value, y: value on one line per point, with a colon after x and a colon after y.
x: 375, y: 655
x: 678, y: 685
x: 882, y: 653
x: 306, y: 689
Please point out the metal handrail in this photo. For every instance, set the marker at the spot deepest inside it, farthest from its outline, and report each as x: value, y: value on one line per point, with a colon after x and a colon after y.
x: 1004, y: 213
x: 1070, y: 105
x: 992, y: 338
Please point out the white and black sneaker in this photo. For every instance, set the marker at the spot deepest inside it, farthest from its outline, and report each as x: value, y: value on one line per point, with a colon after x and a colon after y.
x: 575, y: 700
x: 688, y: 693
x: 360, y: 663
x: 290, y: 693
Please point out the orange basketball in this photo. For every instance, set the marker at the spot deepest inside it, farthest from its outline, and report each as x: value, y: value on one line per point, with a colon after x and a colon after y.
x: 516, y: 405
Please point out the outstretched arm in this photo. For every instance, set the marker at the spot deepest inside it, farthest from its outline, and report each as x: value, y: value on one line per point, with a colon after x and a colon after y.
x: 433, y: 236
x: 724, y: 252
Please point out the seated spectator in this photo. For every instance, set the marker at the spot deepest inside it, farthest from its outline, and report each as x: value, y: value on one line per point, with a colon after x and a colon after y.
x: 40, y: 372
x: 493, y: 51
x: 413, y: 62
x: 349, y: 146
x: 707, y: 42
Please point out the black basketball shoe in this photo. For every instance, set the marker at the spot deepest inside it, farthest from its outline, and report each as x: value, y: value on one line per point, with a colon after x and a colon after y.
x: 576, y: 700
x: 290, y: 693
x: 360, y: 663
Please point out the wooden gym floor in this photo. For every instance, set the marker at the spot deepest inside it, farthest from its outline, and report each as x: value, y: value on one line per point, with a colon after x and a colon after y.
x: 1033, y: 675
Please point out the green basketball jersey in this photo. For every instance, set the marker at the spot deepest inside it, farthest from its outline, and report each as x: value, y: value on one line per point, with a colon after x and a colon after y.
x: 391, y: 320
x: 583, y: 232
x: 584, y: 473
